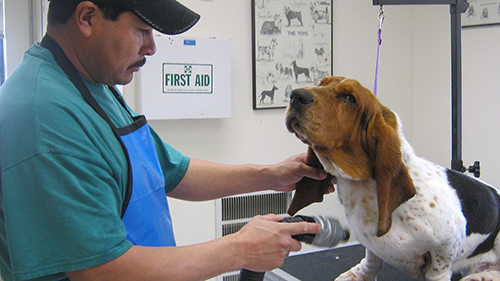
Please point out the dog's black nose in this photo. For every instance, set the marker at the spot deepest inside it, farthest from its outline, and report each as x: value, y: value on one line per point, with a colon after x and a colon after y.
x: 300, y: 98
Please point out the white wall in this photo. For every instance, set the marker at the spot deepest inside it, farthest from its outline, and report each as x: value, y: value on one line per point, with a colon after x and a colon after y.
x: 414, y: 81
x: 481, y: 99
x: 432, y: 84
x: 480, y: 94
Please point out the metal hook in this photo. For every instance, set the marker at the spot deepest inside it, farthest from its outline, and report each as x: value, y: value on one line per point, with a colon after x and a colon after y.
x: 381, y: 16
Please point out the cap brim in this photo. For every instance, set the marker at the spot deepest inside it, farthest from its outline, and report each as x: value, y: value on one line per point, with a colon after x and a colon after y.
x: 167, y: 16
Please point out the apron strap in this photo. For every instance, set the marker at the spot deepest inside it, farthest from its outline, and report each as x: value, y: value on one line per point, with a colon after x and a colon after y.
x: 120, y: 99
x: 73, y: 75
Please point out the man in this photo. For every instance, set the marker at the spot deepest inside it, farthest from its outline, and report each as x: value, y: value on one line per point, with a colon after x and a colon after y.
x: 83, y: 179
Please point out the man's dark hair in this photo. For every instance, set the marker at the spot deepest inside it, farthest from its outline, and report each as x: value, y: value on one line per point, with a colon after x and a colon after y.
x: 60, y: 13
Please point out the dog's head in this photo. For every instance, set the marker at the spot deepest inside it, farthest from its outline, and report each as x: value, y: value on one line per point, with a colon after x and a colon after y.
x: 352, y: 135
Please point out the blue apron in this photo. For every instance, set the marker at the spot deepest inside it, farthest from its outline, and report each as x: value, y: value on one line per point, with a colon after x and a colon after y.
x: 145, y: 210
x: 147, y: 217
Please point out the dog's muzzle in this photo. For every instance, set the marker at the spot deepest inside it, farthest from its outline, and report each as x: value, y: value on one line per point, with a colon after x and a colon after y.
x: 300, y: 98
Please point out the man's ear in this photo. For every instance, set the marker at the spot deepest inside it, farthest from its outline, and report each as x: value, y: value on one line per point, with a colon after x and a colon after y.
x: 86, y: 16
x: 309, y: 190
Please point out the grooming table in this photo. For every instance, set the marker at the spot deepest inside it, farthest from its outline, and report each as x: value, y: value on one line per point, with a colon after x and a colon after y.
x: 326, y: 265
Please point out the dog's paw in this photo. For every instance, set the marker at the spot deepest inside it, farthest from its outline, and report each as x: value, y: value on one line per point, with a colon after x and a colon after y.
x: 352, y: 275
x: 488, y: 275
x: 348, y: 276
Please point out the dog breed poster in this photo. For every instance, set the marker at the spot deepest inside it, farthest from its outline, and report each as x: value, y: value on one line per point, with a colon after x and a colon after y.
x: 292, y: 48
x: 481, y: 12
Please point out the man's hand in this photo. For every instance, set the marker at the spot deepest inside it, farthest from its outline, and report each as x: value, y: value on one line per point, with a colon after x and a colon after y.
x: 292, y: 170
x: 263, y: 243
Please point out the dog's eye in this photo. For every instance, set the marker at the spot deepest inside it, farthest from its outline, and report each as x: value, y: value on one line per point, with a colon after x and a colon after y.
x: 349, y: 98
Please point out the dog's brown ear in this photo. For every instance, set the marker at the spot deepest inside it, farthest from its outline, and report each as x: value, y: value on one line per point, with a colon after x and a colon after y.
x: 309, y: 190
x: 394, y: 184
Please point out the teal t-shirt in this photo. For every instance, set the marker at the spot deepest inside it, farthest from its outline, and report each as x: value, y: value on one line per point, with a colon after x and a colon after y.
x: 63, y: 173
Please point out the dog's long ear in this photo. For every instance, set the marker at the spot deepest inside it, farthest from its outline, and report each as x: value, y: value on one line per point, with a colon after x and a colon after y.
x: 309, y: 190
x: 394, y: 184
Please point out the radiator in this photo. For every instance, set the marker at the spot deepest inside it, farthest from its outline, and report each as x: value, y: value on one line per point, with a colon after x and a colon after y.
x: 232, y: 213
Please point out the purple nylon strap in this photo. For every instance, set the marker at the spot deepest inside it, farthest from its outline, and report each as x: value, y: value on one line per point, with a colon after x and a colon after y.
x: 375, y: 87
x: 381, y: 16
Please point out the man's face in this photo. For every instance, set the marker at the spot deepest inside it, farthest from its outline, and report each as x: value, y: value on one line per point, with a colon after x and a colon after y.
x: 118, y: 49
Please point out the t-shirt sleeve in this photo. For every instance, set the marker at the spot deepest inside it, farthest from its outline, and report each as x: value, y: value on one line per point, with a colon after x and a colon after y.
x: 62, y: 215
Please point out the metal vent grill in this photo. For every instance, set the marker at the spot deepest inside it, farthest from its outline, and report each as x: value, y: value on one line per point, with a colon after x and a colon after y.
x: 231, y: 228
x: 234, y: 277
x: 234, y: 212
x: 243, y: 207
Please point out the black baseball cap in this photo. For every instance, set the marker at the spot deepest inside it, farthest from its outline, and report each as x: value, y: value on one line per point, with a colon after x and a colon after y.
x: 166, y: 16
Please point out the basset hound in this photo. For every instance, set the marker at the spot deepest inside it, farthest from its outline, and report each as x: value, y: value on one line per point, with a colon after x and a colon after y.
x: 422, y: 218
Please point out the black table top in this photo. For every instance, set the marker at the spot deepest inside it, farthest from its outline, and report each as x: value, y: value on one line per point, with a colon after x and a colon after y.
x: 329, y: 264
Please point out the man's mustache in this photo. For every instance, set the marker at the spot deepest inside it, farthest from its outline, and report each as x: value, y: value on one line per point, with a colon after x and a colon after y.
x: 139, y: 63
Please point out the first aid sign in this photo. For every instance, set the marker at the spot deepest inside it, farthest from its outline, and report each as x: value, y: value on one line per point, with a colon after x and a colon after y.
x: 187, y: 78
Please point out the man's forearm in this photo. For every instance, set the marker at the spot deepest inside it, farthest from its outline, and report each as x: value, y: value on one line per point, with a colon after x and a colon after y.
x: 206, y: 180
x: 197, y: 262
x: 261, y: 245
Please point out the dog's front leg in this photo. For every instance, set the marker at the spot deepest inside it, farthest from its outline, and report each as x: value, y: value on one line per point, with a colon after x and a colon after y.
x: 441, y: 260
x: 366, y: 270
